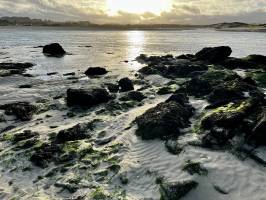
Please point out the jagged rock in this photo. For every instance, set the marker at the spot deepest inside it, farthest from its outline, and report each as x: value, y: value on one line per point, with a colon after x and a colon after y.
x: 164, y: 120
x: 214, y: 54
x: 77, y: 132
x: 87, y: 97
x: 125, y: 85
x: 54, y: 50
x: 95, y: 71
x: 22, y: 110
x: 175, y: 191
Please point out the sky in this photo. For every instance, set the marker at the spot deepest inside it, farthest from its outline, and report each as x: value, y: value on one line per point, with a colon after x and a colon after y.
x: 139, y: 11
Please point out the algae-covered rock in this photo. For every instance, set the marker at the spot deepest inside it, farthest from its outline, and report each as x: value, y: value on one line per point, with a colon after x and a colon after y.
x: 175, y: 191
x: 164, y: 120
x: 194, y: 168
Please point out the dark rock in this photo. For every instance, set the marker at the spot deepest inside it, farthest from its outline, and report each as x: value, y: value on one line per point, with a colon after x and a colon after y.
x: 228, y: 116
x: 173, y: 147
x: 214, y: 54
x: 185, y: 70
x: 96, y: 71
x: 114, y: 88
x: 194, y: 168
x: 54, y: 50
x: 77, y: 132
x: 164, y: 120
x: 175, y: 191
x: 259, y: 131
x: 136, y: 96
x: 8, y: 69
x: 125, y: 85
x: 185, y: 56
x: 25, y: 86
x: 27, y: 134
x: 234, y: 63
x: 52, y: 73
x: 87, y: 98
x: 256, y: 59
x: 22, y: 110
x: 69, y: 74
x: 44, y: 154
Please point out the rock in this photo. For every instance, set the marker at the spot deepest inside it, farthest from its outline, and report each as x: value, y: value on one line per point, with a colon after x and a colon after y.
x: 125, y: 85
x: 54, y: 50
x: 136, y: 96
x: 173, y: 147
x: 114, y: 88
x: 70, y: 74
x: 22, y: 110
x: 185, y: 70
x: 175, y: 191
x: 87, y: 97
x: 77, y: 132
x: 44, y: 154
x: 234, y: 63
x: 8, y: 69
x: 259, y: 131
x: 52, y: 73
x: 163, y: 121
x: 96, y: 71
x: 194, y: 168
x: 185, y: 56
x: 27, y: 134
x: 228, y: 116
x: 25, y: 86
x: 256, y: 59
x: 214, y: 54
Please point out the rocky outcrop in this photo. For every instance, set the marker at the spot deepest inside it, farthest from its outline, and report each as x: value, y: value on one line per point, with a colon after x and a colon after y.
x: 214, y: 54
x: 22, y: 110
x: 54, y: 50
x: 87, y: 97
x: 96, y: 71
x: 165, y: 120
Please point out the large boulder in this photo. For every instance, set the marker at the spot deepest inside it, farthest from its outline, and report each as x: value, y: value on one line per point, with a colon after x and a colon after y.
x: 165, y: 120
x: 22, y: 110
x: 214, y: 54
x: 87, y: 97
x: 96, y: 71
x: 125, y: 85
x: 54, y: 50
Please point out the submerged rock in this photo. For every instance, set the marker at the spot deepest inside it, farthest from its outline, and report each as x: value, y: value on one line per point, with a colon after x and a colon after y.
x: 214, y: 54
x: 87, y: 97
x: 96, y: 71
x: 133, y: 95
x: 54, y: 50
x: 22, y: 110
x: 175, y: 191
x: 164, y: 120
x: 125, y: 85
x: 8, y: 69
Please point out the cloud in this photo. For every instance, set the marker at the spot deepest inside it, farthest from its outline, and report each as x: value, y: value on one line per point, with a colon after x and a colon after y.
x: 183, y: 11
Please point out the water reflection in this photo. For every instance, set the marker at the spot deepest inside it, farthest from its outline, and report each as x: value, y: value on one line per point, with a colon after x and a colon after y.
x: 136, y: 41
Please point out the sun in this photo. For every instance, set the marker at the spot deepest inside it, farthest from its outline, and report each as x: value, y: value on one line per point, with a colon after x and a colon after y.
x: 138, y: 6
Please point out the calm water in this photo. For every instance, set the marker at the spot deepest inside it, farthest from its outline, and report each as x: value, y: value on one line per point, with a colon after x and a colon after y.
x: 112, y: 48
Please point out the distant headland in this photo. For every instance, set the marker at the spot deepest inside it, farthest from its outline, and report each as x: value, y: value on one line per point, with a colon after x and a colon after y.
x: 231, y: 26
